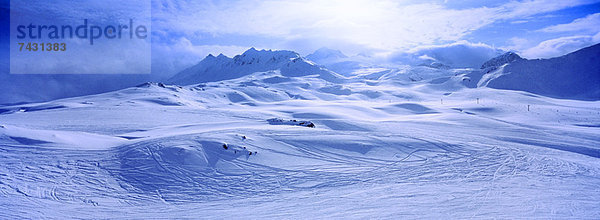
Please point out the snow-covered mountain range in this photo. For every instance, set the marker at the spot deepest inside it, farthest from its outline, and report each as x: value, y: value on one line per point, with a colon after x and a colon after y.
x: 221, y: 67
x: 572, y: 76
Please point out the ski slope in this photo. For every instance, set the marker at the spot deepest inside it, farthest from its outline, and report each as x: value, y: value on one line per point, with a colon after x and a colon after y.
x: 383, y: 146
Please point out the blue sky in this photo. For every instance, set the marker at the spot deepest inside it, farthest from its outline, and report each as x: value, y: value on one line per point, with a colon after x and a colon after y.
x: 184, y: 31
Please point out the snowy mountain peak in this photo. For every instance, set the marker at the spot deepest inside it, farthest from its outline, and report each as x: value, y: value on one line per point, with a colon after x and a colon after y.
x: 211, y: 59
x: 505, y: 58
x: 268, y: 57
x: 252, y: 49
x: 253, y: 52
x: 223, y: 68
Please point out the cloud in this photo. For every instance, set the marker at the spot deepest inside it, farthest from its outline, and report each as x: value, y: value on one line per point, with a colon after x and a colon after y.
x: 517, y: 44
x: 386, y: 24
x: 516, y: 9
x: 589, y: 23
x: 353, y: 26
x: 560, y: 46
x: 587, y: 31
x: 459, y: 54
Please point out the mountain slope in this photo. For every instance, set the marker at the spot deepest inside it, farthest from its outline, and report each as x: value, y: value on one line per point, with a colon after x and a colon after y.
x: 212, y: 69
x: 572, y: 76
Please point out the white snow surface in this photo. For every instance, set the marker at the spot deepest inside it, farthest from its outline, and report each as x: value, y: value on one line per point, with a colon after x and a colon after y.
x: 385, y: 145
